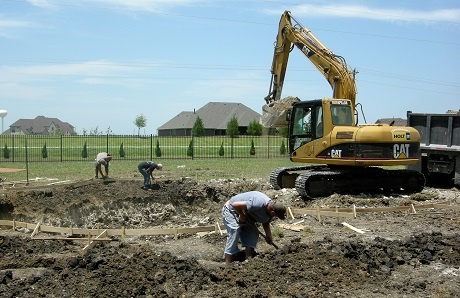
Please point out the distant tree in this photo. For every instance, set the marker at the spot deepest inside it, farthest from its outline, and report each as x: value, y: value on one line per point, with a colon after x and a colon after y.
x: 44, y: 151
x: 254, y: 129
x: 122, y: 150
x: 282, y: 148
x: 56, y: 131
x: 253, y: 149
x: 190, y: 149
x: 6, y: 152
x: 157, y: 149
x: 140, y: 122
x: 95, y: 131
x: 232, y: 127
x: 282, y: 131
x: 221, y: 150
x: 84, y: 152
x: 198, y: 128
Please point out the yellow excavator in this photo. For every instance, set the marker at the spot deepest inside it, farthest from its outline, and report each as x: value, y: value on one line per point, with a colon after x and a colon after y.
x: 339, y: 155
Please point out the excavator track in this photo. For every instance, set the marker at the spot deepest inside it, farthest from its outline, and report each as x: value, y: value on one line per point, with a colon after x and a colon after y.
x: 285, y: 177
x: 323, y: 181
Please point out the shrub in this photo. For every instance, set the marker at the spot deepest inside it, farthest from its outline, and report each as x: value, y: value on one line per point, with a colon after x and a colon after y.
x: 6, y: 152
x: 282, y: 148
x: 84, y: 152
x: 221, y: 150
x: 190, y: 149
x: 158, y: 150
x: 122, y: 151
x: 44, y: 151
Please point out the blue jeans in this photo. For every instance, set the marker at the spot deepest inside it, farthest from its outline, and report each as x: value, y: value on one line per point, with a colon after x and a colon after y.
x: 146, y: 177
x: 246, y: 233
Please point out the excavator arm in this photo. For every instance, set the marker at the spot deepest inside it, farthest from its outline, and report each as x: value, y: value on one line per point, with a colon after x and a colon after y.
x: 331, y: 66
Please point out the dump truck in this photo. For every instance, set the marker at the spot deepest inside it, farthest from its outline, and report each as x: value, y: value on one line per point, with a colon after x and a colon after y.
x: 439, y: 146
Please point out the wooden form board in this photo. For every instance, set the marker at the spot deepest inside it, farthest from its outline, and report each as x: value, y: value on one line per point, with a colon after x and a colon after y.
x: 109, y: 232
x: 345, y: 212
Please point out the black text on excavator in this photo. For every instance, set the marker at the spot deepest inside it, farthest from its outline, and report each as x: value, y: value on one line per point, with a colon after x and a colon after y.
x: 339, y: 155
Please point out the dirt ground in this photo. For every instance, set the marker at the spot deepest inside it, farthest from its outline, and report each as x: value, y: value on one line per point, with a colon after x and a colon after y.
x: 399, y: 254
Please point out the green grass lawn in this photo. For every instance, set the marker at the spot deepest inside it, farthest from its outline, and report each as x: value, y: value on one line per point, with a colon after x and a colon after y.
x: 199, y: 169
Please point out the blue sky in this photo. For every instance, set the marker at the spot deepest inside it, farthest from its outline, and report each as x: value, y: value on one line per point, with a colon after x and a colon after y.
x: 98, y: 64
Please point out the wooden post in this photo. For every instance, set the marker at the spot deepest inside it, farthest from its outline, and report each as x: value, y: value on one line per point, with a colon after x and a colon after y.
x: 354, y: 210
x: 318, y: 214
x: 14, y: 224
x: 337, y: 218
x: 290, y: 213
x: 220, y: 230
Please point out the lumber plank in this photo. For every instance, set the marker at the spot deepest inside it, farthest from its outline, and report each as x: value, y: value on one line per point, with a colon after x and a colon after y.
x: 353, y: 228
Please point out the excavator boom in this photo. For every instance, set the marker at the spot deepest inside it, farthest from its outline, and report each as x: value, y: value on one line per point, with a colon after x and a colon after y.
x: 331, y: 66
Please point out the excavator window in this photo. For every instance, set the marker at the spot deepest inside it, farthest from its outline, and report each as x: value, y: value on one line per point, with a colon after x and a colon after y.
x: 301, y: 129
x: 319, y: 122
x: 341, y: 115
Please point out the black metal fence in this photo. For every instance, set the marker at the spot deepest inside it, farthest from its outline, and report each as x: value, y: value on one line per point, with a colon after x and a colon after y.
x: 43, y: 148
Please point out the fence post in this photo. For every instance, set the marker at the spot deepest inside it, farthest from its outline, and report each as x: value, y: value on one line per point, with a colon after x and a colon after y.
x: 107, y: 144
x: 61, y: 150
x: 231, y: 146
x: 268, y: 144
x: 151, y: 146
x: 12, y: 149
x: 27, y: 162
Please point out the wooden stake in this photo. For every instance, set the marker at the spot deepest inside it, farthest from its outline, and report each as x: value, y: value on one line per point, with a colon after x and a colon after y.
x: 290, y: 213
x: 220, y: 230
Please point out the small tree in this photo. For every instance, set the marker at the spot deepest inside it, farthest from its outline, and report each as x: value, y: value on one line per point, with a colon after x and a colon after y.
x: 44, y: 151
x: 84, y: 152
x: 198, y: 128
x: 254, y: 128
x: 253, y: 149
x: 282, y: 131
x: 140, y: 122
x: 282, y: 148
x: 232, y: 127
x: 6, y: 152
x: 221, y: 150
x: 157, y: 149
x: 122, y: 150
x: 190, y: 149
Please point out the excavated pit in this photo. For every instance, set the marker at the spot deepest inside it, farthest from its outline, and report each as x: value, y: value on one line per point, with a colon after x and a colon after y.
x: 399, y: 254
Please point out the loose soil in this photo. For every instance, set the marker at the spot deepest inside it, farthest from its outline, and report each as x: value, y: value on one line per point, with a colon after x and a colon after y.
x: 399, y: 255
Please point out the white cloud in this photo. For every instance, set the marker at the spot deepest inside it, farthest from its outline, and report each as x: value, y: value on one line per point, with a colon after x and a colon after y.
x: 383, y: 14
x: 41, y: 3
x: 81, y: 71
x: 147, y: 5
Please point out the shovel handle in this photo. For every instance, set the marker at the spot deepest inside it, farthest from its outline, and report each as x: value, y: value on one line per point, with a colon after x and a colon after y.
x: 265, y: 237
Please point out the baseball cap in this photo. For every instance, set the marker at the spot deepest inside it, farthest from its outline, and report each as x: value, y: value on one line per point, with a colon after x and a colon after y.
x: 279, y: 209
x: 160, y: 166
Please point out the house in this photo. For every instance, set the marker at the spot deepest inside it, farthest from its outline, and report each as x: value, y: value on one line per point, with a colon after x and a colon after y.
x: 392, y: 121
x: 215, y: 117
x: 41, y: 125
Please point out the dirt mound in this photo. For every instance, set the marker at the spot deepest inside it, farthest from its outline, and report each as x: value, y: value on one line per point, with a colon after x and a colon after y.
x: 400, y: 254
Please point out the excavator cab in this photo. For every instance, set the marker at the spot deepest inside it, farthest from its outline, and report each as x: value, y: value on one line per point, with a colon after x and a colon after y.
x: 305, y: 123
x: 315, y: 119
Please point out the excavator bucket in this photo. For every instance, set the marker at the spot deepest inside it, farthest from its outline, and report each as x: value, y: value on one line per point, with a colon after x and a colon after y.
x: 274, y: 113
